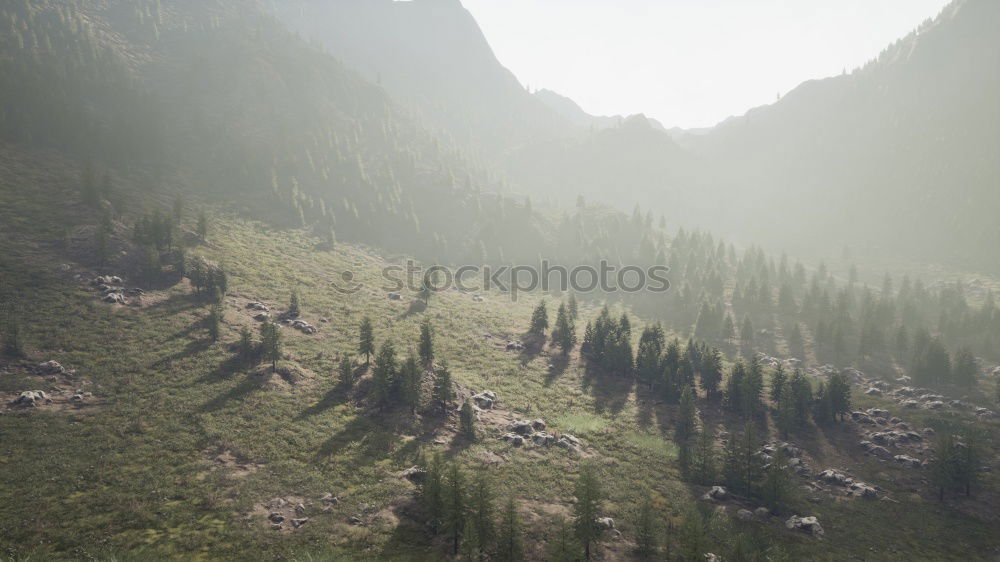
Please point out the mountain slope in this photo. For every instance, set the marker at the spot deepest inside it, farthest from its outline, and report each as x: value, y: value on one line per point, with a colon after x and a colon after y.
x: 431, y: 55
x: 898, y: 157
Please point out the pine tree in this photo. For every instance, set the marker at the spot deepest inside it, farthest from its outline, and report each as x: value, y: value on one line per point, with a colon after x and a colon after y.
x: 711, y: 373
x: 294, y: 311
x: 585, y: 510
x: 802, y: 396
x: 202, y: 228
x: 742, y: 467
x: 481, y: 525
x: 752, y: 388
x: 728, y: 328
x: 455, y: 506
x: 384, y: 374
x: 270, y: 344
x: 563, y: 547
x: 366, y: 340
x: 734, y: 388
x: 645, y: 531
x: 245, y: 345
x: 823, y: 405
x: 426, y: 342
x: 692, y: 535
x: 686, y: 417
x: 539, y: 319
x: 840, y: 395
x: 564, y: 335
x: 443, y: 393
x: 409, y: 383
x: 704, y: 462
x: 431, y: 493
x: 467, y: 421
x: 510, y: 536
x: 572, y: 308
x: 777, y: 483
x: 785, y: 415
x: 778, y: 383
x: 214, y: 320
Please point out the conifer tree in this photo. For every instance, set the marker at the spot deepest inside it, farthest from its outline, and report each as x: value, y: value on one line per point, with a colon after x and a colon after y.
x: 563, y: 547
x: 711, y: 373
x: 481, y: 526
x: 572, y: 308
x: 202, y: 228
x: 539, y: 319
x: 270, y: 344
x: 294, y: 311
x: 966, y: 371
x: 409, y: 383
x: 704, y: 461
x: 563, y: 335
x: 839, y: 391
x: 778, y: 382
x: 823, y: 405
x: 467, y: 421
x: 384, y: 374
x: 443, y: 393
x: 431, y: 493
x: 214, y: 320
x: 245, y: 345
x: 586, y: 508
x: 456, y: 507
x: 777, y: 481
x: 742, y: 465
x: 426, y: 342
x: 734, y: 388
x: 510, y: 535
x: 366, y: 339
x: 802, y: 396
x: 692, y: 535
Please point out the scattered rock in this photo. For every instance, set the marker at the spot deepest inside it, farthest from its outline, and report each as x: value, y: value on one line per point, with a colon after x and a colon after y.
x: 276, y: 517
x: 477, y: 298
x: 521, y: 427
x: 834, y: 477
x: 862, y: 490
x: 355, y: 520
x: 717, y: 493
x: 261, y: 317
x: 744, y: 515
x: 513, y: 438
x: 254, y: 305
x: 329, y: 498
x: 395, y: 296
x: 299, y: 522
x: 303, y: 326
x: 807, y: 524
x: 514, y: 345
x: 31, y: 399
x: 907, y: 461
x: 52, y: 368
x: 568, y: 442
x: 542, y: 438
x: 485, y: 399
x: 605, y: 523
x: 414, y: 474
x: 762, y: 512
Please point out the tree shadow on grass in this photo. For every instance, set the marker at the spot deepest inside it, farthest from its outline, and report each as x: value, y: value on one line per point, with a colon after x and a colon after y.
x: 560, y: 362
x: 241, y: 390
x: 610, y: 392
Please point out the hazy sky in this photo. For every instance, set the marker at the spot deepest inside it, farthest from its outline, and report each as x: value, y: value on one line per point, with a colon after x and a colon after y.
x: 689, y: 63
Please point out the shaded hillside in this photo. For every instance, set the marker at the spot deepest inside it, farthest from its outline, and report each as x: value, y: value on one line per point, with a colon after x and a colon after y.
x: 431, y: 55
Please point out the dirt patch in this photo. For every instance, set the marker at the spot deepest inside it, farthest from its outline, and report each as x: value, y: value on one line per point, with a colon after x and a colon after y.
x: 284, y: 514
x: 234, y: 465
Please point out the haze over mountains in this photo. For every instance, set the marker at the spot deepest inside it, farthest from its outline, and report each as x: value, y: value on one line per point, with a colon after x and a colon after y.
x: 825, y: 168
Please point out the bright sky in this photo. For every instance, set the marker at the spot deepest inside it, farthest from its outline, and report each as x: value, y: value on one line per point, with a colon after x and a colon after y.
x: 689, y: 63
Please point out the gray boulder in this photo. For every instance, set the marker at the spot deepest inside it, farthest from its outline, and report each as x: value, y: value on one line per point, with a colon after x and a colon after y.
x: 806, y: 524
x: 31, y: 398
x: 744, y: 515
x: 485, y: 399
x: 716, y: 493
